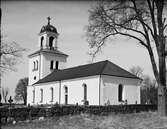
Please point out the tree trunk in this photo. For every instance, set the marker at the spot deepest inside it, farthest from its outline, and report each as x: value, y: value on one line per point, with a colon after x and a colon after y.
x: 0, y: 66
x: 162, y: 96
x: 162, y: 101
x: 162, y: 65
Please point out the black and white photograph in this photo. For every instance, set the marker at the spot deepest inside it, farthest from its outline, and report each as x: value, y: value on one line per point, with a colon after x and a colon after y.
x: 83, y: 64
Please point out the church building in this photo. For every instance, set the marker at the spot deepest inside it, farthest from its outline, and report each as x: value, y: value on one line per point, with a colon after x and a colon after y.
x: 100, y: 83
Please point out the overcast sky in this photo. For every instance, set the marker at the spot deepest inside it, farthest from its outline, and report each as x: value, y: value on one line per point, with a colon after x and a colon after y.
x: 22, y: 21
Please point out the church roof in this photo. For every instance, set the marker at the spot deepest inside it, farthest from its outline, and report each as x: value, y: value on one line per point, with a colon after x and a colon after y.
x: 54, y: 51
x: 99, y: 68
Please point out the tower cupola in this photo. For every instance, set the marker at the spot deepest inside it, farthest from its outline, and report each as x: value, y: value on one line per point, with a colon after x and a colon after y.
x: 48, y: 36
x: 48, y: 27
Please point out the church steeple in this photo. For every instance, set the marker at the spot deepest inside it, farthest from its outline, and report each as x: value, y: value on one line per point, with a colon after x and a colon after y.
x: 48, y: 36
x: 47, y: 57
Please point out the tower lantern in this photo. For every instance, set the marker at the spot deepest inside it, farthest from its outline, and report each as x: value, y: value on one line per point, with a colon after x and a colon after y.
x: 48, y: 36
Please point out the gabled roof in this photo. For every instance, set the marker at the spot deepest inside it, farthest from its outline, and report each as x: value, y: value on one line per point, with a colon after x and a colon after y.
x: 54, y: 51
x: 99, y: 68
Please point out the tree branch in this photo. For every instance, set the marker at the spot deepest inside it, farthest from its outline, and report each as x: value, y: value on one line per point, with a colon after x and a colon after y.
x: 134, y: 37
x: 99, y: 46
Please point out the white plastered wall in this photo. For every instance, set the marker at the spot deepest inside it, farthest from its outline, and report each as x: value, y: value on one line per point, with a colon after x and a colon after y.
x: 30, y: 95
x: 76, y: 90
x: 33, y: 73
x: 109, y: 90
x: 45, y: 63
x: 46, y: 93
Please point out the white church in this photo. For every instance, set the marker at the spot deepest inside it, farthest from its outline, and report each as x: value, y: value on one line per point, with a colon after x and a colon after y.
x: 98, y: 83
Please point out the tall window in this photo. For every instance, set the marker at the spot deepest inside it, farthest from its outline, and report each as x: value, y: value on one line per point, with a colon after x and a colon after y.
x: 85, y: 91
x: 51, y: 42
x: 36, y: 65
x: 42, y: 38
x: 51, y: 64
x: 120, y: 92
x: 33, y: 93
x: 57, y: 64
x: 66, y: 94
x: 41, y: 90
x: 51, y: 89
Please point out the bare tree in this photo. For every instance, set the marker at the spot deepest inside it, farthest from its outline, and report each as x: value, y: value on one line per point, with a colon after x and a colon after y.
x: 141, y: 20
x: 137, y: 70
x: 148, y: 87
x: 21, y: 90
x: 10, y: 52
x: 5, y: 93
x: 149, y: 91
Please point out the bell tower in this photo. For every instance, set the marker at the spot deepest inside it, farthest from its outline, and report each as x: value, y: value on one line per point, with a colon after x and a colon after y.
x: 48, y: 37
x: 47, y: 58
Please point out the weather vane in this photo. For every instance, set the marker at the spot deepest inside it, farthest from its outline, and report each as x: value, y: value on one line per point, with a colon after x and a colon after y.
x: 49, y: 20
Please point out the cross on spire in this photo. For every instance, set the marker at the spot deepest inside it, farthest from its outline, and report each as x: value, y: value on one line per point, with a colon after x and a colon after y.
x: 48, y: 20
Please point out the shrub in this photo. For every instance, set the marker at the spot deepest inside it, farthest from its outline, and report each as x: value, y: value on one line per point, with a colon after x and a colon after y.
x: 42, y: 112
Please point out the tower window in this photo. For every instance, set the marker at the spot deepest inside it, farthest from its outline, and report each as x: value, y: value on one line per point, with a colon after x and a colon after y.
x: 41, y: 90
x: 36, y: 65
x: 42, y: 38
x: 57, y: 65
x: 34, y: 77
x: 51, y: 64
x: 120, y: 92
x: 51, y: 42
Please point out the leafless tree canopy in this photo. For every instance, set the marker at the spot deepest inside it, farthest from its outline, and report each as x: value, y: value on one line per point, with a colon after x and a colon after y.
x: 10, y: 54
x: 140, y: 20
x: 5, y: 93
x: 136, y: 19
x: 137, y: 70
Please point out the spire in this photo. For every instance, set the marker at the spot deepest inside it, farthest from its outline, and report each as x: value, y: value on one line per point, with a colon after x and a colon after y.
x: 48, y: 20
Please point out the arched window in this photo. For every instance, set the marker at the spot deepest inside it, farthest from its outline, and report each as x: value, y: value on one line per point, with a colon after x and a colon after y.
x: 66, y: 94
x: 41, y: 90
x: 33, y: 94
x: 51, y: 89
x: 36, y: 65
x: 85, y: 92
x: 51, y: 42
x: 51, y: 64
x: 66, y: 89
x: 120, y: 92
x: 35, y: 77
x: 57, y: 65
x: 42, y: 38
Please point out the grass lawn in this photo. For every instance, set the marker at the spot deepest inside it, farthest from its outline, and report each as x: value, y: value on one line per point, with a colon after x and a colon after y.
x: 144, y: 120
